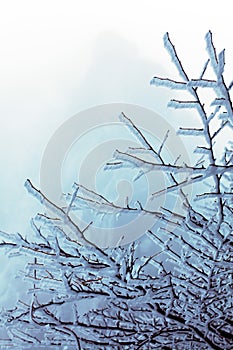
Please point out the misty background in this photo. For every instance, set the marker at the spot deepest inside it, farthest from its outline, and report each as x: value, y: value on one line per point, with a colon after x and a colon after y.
x: 61, y: 57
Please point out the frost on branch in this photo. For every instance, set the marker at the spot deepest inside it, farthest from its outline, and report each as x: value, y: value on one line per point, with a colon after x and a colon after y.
x: 178, y: 296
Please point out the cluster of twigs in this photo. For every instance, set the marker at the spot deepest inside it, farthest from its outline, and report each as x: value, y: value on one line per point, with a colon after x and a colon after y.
x: 178, y: 297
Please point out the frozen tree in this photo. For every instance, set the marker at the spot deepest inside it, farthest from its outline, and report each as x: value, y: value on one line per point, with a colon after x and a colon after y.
x: 180, y: 296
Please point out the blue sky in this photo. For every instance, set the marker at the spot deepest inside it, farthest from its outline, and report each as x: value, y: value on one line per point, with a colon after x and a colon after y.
x: 61, y: 57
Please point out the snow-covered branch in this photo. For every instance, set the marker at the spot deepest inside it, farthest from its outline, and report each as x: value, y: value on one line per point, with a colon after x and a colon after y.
x: 175, y: 294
